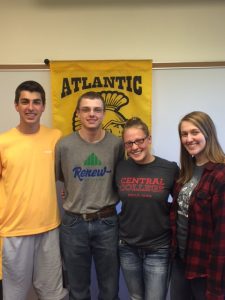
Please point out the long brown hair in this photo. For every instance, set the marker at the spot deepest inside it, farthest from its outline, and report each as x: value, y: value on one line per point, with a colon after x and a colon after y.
x: 213, y: 151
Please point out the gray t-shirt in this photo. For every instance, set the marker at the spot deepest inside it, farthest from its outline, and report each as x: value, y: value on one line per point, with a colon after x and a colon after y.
x: 183, y: 207
x: 87, y: 170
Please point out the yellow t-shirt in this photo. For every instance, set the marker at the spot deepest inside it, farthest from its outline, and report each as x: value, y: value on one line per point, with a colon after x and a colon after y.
x: 0, y: 259
x: 28, y: 203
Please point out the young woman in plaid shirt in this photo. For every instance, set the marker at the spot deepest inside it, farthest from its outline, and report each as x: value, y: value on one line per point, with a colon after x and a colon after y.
x: 198, y: 213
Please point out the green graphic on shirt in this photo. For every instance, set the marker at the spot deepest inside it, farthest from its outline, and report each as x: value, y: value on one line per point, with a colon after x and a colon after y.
x: 92, y: 160
x: 91, y: 169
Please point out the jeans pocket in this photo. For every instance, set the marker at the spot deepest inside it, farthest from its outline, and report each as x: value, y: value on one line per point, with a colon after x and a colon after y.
x: 110, y: 221
x: 69, y: 220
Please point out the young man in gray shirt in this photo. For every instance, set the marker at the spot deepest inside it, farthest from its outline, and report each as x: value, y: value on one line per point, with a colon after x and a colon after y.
x: 85, y: 162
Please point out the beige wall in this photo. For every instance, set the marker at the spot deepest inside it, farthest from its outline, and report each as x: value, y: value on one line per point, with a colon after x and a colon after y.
x: 162, y: 30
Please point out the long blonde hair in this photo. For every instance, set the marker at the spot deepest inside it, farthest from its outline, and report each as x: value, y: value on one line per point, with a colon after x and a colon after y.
x: 213, y: 151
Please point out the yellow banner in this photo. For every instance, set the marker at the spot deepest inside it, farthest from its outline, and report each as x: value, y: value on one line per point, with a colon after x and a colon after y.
x: 125, y: 85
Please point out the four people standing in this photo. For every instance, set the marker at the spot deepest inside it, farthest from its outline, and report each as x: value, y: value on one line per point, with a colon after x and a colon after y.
x: 198, y: 213
x: 85, y: 162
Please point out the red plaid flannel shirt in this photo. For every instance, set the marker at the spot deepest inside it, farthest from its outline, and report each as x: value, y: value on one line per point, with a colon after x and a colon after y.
x: 205, y: 256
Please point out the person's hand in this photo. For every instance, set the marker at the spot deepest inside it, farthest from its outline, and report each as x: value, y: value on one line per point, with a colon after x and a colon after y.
x: 63, y: 194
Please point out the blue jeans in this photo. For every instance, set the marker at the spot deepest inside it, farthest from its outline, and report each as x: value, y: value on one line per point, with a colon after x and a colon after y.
x: 145, y: 271
x: 80, y: 242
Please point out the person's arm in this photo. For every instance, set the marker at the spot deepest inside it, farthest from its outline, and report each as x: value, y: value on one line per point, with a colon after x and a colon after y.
x: 58, y: 169
x: 173, y: 218
x: 216, y: 268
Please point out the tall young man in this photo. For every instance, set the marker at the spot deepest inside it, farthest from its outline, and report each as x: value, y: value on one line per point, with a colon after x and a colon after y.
x: 29, y: 214
x: 85, y: 162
